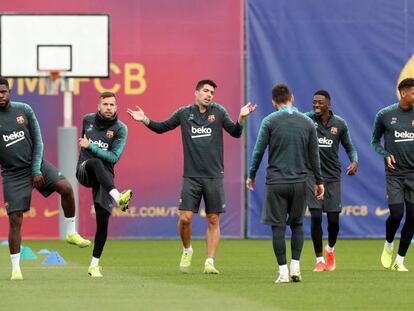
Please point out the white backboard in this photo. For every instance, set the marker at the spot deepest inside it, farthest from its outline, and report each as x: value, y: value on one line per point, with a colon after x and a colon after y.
x: 31, y: 45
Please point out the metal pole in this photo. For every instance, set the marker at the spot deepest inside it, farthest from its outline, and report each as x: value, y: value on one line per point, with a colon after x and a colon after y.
x: 67, y: 151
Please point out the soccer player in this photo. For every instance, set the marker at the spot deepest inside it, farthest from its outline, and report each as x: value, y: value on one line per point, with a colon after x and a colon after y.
x: 102, y: 142
x: 292, y: 141
x: 396, y: 124
x: 332, y: 131
x: 23, y: 168
x: 202, y: 127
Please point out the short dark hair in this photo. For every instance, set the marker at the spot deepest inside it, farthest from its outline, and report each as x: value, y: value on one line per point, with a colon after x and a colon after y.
x: 323, y: 93
x: 281, y: 93
x: 201, y: 83
x: 405, y: 84
x: 106, y: 95
x: 4, y: 81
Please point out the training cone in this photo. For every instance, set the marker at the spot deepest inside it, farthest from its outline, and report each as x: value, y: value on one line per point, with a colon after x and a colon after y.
x: 54, y: 258
x: 4, y: 243
x: 27, y: 253
x: 43, y: 251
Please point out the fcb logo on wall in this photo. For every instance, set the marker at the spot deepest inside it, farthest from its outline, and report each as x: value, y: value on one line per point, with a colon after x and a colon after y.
x: 110, y: 134
x: 20, y: 119
x: 211, y: 118
x: 334, y: 130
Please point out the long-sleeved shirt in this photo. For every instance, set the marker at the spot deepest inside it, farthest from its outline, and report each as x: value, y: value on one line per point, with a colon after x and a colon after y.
x: 202, y: 137
x: 105, y: 142
x: 291, y: 137
x: 397, y: 127
x: 330, y: 135
x: 21, y: 144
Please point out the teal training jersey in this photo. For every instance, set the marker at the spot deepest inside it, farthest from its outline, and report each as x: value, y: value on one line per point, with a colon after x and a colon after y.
x: 21, y: 144
x: 397, y: 127
x: 330, y: 136
x: 202, y: 136
x: 293, y: 144
x: 105, y: 142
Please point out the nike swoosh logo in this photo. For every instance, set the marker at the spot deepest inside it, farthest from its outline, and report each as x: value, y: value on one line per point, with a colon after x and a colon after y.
x: 381, y: 211
x: 48, y: 213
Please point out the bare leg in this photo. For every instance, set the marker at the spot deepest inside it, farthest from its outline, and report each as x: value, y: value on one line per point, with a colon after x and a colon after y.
x: 65, y: 191
x: 213, y: 234
x: 184, y: 227
x: 15, y: 237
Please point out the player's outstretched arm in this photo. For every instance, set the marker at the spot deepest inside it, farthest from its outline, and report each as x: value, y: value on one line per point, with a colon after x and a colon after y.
x: 138, y: 115
x: 245, y: 111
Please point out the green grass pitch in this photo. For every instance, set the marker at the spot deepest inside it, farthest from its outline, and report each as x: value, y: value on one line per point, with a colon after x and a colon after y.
x: 143, y: 275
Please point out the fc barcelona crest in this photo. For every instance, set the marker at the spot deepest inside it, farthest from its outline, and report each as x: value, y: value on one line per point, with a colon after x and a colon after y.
x: 211, y: 118
x: 110, y: 134
x: 20, y: 120
x: 334, y: 130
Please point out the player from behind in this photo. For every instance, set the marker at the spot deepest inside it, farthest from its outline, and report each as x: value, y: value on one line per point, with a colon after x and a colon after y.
x: 202, y: 127
x: 396, y: 124
x: 23, y: 168
x: 292, y: 142
x: 332, y: 131
x: 102, y: 142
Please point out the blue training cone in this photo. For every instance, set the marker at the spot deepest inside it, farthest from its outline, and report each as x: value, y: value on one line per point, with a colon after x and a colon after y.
x: 27, y: 253
x: 43, y: 251
x: 54, y: 258
x: 4, y: 243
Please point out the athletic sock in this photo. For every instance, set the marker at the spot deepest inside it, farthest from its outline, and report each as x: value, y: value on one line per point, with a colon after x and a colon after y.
x: 15, y: 261
x: 283, y: 270
x: 70, y: 225
x: 209, y: 261
x: 94, y: 262
x: 188, y: 249
x: 294, y: 265
x: 320, y: 259
x: 114, y: 193
x: 389, y: 245
x: 330, y: 249
x: 399, y: 259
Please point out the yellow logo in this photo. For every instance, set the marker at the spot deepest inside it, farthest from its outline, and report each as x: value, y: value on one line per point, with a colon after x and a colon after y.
x: 48, y: 213
x: 381, y: 211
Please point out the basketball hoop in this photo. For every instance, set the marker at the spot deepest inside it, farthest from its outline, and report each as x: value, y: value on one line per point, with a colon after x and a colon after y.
x: 52, y: 82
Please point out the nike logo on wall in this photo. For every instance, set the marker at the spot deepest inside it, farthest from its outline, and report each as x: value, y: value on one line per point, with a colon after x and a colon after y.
x: 48, y: 213
x: 381, y: 211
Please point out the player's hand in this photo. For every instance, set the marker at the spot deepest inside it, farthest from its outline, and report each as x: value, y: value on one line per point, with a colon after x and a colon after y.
x: 250, y: 183
x: 319, y: 191
x: 352, y: 169
x: 137, y: 115
x: 390, y: 161
x: 38, y: 182
x: 84, y: 142
x: 245, y: 111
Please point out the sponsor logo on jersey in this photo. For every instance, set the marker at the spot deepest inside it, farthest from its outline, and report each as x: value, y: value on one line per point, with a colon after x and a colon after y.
x: 13, y: 138
x: 393, y: 120
x: 109, y: 134
x: 403, y: 136
x: 325, y: 142
x: 334, y: 130
x: 211, y: 118
x: 200, y: 132
x: 191, y: 117
x: 20, y: 120
x: 101, y: 144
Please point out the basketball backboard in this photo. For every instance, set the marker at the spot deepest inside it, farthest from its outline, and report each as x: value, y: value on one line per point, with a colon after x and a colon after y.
x: 33, y: 45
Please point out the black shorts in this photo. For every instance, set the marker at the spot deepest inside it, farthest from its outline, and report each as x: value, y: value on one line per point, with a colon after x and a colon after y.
x: 283, y: 200
x: 17, y: 187
x: 400, y: 189
x: 99, y: 194
x: 331, y: 200
x: 210, y: 189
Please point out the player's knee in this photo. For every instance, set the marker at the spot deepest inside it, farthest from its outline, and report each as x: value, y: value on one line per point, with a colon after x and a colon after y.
x: 15, y: 220
x: 64, y: 188
x: 213, y: 219
x: 185, y: 220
